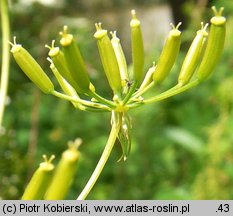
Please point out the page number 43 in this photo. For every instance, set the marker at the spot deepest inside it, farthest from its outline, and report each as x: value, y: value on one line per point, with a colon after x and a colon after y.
x: 223, y: 208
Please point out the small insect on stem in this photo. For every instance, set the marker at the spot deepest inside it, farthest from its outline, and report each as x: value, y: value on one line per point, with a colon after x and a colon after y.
x: 31, y: 68
x: 214, y: 46
x: 168, y: 55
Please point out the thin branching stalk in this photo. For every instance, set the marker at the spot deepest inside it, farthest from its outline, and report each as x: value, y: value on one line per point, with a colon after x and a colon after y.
x: 142, y: 91
x: 172, y: 92
x: 90, y: 104
x: 169, y: 93
x: 103, y: 159
x: 5, y: 57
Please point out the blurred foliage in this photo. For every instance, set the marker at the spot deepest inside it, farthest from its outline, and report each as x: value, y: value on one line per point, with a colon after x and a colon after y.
x: 182, y: 148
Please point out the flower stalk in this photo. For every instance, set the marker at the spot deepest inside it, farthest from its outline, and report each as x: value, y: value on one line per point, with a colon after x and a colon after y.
x: 104, y: 157
x: 5, y: 57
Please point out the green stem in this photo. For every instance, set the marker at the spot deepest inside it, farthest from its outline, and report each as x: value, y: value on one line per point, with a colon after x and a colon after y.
x: 142, y: 91
x: 90, y: 109
x: 103, y: 159
x: 169, y: 93
x: 5, y: 57
x: 81, y: 101
x: 130, y: 93
x: 102, y: 100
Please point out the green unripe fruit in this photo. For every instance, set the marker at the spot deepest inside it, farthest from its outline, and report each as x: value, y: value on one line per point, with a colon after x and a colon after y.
x: 193, y: 56
x: 120, y: 58
x: 137, y: 48
x: 59, y: 61
x: 108, y: 59
x: 40, y: 180
x: 64, y: 173
x: 66, y: 87
x: 31, y: 68
x: 169, y: 54
x: 75, y: 61
x: 215, y: 45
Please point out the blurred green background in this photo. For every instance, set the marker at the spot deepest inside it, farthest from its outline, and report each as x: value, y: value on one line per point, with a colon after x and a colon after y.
x: 182, y: 147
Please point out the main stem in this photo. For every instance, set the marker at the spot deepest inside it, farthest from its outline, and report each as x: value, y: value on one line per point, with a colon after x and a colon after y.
x: 5, y: 57
x: 103, y: 159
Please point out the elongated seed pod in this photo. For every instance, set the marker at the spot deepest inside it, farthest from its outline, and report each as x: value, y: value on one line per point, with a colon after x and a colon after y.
x: 64, y: 173
x: 31, y: 68
x: 193, y: 56
x: 137, y: 48
x: 214, y: 46
x: 75, y: 61
x: 40, y: 180
x: 66, y: 87
x: 120, y: 58
x: 59, y: 61
x: 148, y: 77
x: 169, y: 54
x: 108, y: 58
